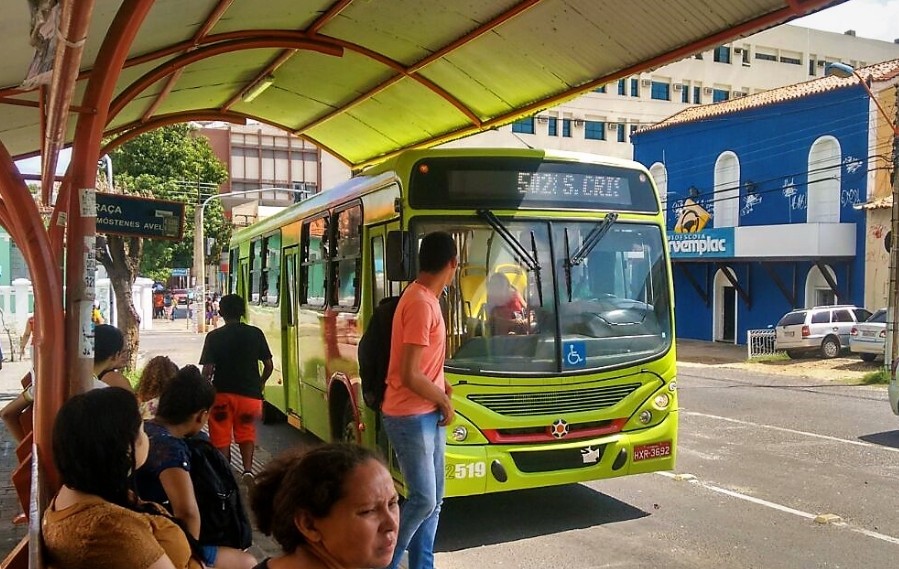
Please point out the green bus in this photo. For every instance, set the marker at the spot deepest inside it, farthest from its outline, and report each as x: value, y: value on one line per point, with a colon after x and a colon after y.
x: 578, y: 384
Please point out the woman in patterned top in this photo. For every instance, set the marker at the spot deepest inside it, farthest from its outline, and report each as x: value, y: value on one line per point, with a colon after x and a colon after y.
x: 96, y: 519
x: 153, y: 379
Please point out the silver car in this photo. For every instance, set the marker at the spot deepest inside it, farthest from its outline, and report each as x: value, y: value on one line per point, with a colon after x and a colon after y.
x: 823, y: 329
x: 868, y: 338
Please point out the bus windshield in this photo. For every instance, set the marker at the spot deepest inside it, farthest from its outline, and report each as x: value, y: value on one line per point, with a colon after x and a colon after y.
x: 519, y: 306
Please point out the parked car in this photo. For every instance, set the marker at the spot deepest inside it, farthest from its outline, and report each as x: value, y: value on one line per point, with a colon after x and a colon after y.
x: 868, y: 338
x: 180, y: 296
x: 822, y: 329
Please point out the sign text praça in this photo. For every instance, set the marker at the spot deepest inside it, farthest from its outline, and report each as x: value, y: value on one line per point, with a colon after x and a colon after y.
x: 136, y: 216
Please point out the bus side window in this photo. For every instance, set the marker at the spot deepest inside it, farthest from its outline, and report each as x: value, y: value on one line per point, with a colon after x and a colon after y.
x: 256, y: 266
x: 313, y: 262
x: 378, y: 276
x: 347, y: 257
x: 233, y: 260
x: 272, y: 270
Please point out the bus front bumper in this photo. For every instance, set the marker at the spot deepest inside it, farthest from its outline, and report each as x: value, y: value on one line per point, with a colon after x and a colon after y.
x: 480, y: 469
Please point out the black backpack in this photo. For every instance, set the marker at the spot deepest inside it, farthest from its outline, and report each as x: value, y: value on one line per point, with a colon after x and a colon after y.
x: 374, y: 352
x: 223, y: 520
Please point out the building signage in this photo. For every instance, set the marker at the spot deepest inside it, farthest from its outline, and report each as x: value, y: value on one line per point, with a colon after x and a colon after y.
x: 135, y: 216
x: 705, y: 244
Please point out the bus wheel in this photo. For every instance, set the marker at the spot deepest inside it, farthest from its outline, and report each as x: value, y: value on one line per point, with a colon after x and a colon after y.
x: 271, y: 415
x: 349, y: 427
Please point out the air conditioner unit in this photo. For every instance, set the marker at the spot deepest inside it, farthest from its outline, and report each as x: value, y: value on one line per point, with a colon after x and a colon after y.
x: 707, y: 90
x: 738, y: 50
x: 646, y: 82
x: 578, y: 122
x: 613, y: 126
x: 542, y: 119
x: 736, y: 94
x: 821, y: 63
x: 678, y: 86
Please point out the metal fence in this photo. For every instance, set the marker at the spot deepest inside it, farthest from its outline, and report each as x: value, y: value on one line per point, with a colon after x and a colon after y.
x: 760, y: 343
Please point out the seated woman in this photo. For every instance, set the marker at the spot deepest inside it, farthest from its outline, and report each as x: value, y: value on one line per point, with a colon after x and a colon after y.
x: 165, y: 477
x: 505, y: 307
x: 109, y: 356
x: 333, y: 507
x: 96, y: 520
x: 153, y: 379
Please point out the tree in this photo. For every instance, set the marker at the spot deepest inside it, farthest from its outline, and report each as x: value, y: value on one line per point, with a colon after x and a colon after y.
x: 168, y: 163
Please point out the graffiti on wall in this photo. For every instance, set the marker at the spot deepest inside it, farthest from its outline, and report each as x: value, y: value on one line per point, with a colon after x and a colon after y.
x: 749, y: 203
x: 797, y: 199
x: 852, y: 164
x: 850, y: 197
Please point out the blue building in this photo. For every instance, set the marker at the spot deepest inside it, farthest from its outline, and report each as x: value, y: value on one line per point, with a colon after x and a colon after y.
x: 763, y: 199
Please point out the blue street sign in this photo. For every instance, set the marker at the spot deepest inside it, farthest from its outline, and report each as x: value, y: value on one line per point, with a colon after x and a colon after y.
x: 135, y: 216
x: 179, y: 272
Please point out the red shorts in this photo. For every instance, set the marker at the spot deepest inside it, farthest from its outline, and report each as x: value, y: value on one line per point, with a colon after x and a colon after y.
x: 233, y: 413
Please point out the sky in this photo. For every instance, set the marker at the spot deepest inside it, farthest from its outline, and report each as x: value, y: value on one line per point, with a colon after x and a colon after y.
x: 874, y: 19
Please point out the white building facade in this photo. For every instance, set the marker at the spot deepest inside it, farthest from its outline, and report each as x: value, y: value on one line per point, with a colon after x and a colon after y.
x: 602, y: 121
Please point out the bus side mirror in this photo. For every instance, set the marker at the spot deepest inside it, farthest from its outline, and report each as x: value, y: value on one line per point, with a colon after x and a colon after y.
x: 399, y: 256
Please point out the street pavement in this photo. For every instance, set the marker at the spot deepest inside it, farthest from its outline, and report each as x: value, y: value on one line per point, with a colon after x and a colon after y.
x: 773, y: 472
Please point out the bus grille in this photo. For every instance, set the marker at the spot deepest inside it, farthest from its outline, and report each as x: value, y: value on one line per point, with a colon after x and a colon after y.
x: 555, y: 402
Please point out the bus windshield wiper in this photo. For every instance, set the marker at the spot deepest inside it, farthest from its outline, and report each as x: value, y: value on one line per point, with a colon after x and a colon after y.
x: 530, y: 258
x: 593, y: 238
x: 590, y: 242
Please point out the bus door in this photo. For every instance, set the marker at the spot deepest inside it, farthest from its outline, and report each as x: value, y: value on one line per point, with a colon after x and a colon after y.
x: 289, y: 337
x: 377, y: 287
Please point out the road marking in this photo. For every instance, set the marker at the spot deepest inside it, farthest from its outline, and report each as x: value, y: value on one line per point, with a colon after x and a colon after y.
x: 776, y: 506
x: 792, y: 431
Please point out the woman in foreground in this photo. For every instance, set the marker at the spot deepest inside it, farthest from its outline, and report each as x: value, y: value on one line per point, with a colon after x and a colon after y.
x: 96, y: 520
x: 334, y: 507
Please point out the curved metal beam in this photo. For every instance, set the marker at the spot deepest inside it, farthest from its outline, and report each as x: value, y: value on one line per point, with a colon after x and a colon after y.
x: 161, y: 71
x: 130, y: 131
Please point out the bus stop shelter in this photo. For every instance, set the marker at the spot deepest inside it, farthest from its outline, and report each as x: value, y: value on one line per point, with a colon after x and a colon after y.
x: 362, y: 79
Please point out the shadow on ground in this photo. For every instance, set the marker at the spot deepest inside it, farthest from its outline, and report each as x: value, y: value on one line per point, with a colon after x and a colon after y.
x: 511, y: 516
x: 886, y: 439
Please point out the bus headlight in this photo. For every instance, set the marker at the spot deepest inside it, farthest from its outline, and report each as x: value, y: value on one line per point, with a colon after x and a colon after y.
x: 661, y: 401
x: 645, y: 417
x: 459, y: 433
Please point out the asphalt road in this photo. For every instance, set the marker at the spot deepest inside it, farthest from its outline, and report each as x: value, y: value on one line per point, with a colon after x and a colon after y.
x: 768, y: 453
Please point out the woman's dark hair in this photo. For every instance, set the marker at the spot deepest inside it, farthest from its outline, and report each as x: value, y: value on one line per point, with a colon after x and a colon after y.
x: 232, y: 306
x: 184, y: 395
x: 437, y: 249
x: 108, y: 341
x: 93, y: 443
x: 303, y: 480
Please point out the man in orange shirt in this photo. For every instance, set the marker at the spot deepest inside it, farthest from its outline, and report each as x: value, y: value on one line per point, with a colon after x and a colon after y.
x: 417, y: 405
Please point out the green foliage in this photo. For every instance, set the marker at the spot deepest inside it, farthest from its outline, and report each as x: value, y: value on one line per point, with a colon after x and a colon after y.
x: 171, y: 163
x: 775, y: 357
x: 879, y: 377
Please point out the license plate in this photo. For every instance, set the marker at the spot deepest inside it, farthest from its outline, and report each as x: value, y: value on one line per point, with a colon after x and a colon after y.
x: 789, y: 333
x: 654, y: 450
x: 868, y: 333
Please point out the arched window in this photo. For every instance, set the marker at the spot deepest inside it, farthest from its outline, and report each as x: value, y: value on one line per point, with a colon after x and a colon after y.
x: 727, y: 191
x: 660, y: 175
x: 824, y: 181
x: 817, y: 291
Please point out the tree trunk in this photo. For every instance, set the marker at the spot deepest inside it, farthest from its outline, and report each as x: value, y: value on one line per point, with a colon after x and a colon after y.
x: 121, y: 259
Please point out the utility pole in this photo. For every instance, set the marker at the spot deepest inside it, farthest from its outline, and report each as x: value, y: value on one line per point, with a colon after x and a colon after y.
x: 893, y: 291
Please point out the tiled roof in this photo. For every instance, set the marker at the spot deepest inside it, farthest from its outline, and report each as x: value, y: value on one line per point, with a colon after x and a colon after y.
x: 879, y: 203
x: 879, y: 72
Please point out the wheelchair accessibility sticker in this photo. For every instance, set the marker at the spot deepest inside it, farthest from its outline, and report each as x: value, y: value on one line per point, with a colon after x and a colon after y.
x: 574, y: 354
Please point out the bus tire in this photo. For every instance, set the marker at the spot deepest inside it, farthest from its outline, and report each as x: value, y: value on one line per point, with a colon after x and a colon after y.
x: 349, y: 427
x: 271, y: 415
